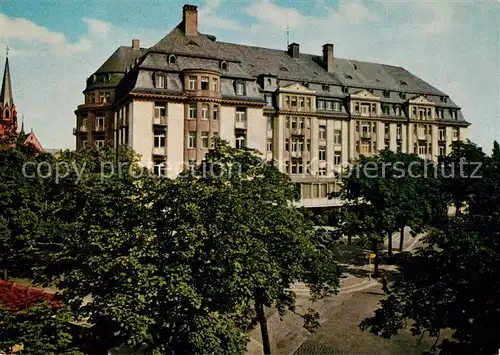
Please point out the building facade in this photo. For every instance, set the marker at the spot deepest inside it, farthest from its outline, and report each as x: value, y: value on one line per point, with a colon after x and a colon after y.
x: 307, y: 113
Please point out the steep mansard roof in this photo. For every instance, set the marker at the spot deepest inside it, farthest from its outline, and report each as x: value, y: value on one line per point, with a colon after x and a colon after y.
x: 248, y: 62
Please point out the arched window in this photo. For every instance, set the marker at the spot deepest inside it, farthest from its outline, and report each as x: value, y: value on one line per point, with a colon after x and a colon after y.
x: 7, y: 113
x: 172, y: 59
x: 223, y: 65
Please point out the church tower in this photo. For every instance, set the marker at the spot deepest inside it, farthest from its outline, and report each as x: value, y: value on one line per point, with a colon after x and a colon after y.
x: 8, y: 110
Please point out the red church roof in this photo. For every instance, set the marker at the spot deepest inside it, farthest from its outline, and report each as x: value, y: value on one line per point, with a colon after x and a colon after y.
x: 18, y: 297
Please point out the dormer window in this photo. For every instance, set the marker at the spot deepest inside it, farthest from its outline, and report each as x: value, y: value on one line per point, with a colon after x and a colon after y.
x: 215, y: 84
x: 223, y: 65
x: 159, y: 81
x: 192, y: 83
x: 440, y: 113
x: 454, y: 114
x: 306, y: 84
x: 240, y: 88
x: 345, y: 89
x: 172, y: 59
x: 402, y: 95
x: 326, y: 87
x: 387, y: 93
x: 403, y: 83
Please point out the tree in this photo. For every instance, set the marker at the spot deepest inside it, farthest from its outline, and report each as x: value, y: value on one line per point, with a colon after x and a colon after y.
x: 39, y: 329
x: 385, y: 193
x: 452, y: 282
x: 185, y: 265
x: 22, y: 194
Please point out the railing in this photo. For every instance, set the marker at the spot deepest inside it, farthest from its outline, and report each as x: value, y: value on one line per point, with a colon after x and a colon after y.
x: 159, y: 150
x: 162, y: 120
x: 99, y: 128
x: 296, y: 154
x: 83, y: 128
x: 366, y: 134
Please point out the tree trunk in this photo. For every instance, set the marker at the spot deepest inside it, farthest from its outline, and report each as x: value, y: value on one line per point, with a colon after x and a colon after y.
x: 401, y: 238
x: 5, y: 276
x: 261, y: 316
x: 457, y: 209
x: 349, y: 239
x: 389, y: 247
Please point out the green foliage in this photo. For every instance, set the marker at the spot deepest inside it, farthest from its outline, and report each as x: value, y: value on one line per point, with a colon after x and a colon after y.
x: 39, y: 329
x: 177, y: 266
x: 452, y: 282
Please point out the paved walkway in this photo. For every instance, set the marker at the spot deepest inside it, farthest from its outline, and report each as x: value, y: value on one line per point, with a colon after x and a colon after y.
x: 287, y: 334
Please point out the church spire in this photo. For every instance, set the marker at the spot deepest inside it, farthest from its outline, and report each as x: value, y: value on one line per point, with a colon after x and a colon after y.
x: 6, y: 98
x: 22, y: 126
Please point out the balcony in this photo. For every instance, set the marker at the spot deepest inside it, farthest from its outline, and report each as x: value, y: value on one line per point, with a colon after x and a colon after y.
x: 365, y: 134
x: 159, y: 151
x: 297, y: 131
x: 99, y: 128
x: 162, y: 120
x: 240, y: 123
x: 296, y: 154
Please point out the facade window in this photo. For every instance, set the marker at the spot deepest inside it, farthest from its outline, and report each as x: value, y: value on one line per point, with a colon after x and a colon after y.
x: 159, y: 81
x: 297, y: 166
x: 241, y: 115
x: 191, y: 165
x: 336, y: 106
x: 105, y: 97
x: 322, y: 171
x: 422, y: 149
x: 365, y: 109
x: 442, y: 134
x: 301, y: 102
x: 322, y: 152
x: 454, y: 114
x: 397, y: 110
x: 84, y: 124
x: 192, y: 140
x: 442, y: 150
x: 337, y: 157
x: 329, y: 105
x: 159, y: 138
x: 160, y: 112
x: 204, y: 111
x: 99, y: 143
x: 240, y: 140
x: 307, y: 122
x: 215, y: 112
x: 91, y: 98
x: 192, y: 112
x: 386, y: 128
x: 269, y: 122
x: 99, y: 123
x: 365, y: 148
x: 172, y: 59
x: 399, y: 129
x: 308, y: 145
x: 223, y: 65
x: 204, y: 139
x: 440, y: 113
x: 204, y: 83
x: 240, y: 88
x: 294, y: 101
x: 455, y: 133
x: 215, y: 84
x: 322, y: 132
x: 321, y: 104
x: 308, y: 103
x: 399, y: 147
x: 356, y: 107
x: 294, y: 123
x: 337, y: 136
x: 287, y: 145
x: 159, y: 168
x: 374, y: 108
x: 287, y: 101
x: 215, y: 135
x: 269, y: 145
x: 192, y: 83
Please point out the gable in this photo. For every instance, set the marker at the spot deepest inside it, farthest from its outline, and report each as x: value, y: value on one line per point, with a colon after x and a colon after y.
x: 31, y: 139
x: 297, y: 87
x: 364, y: 94
x: 421, y: 99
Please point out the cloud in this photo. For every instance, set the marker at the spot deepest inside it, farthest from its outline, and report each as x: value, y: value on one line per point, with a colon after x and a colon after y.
x: 208, y: 18
x: 96, y: 26
x: 267, y: 12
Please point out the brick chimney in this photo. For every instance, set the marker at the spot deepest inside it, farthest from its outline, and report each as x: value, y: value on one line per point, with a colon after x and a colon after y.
x: 293, y: 50
x: 328, y: 57
x: 190, y: 20
x: 136, y: 44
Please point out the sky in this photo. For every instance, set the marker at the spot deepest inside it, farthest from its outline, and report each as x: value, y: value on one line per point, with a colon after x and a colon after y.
x: 56, y: 45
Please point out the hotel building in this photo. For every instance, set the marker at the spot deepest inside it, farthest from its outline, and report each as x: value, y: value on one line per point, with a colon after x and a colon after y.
x: 308, y: 113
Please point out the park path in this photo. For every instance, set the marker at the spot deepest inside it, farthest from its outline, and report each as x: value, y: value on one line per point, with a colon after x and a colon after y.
x: 288, y: 334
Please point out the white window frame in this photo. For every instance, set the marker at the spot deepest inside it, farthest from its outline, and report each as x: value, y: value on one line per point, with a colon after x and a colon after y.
x: 240, y: 88
x: 160, y: 81
x: 329, y: 105
x: 204, y: 139
x: 240, y: 142
x: 215, y: 84
x: 192, y: 82
x: 322, y: 153
x: 193, y: 112
x: 159, y: 138
x: 241, y: 115
x: 100, y: 122
x: 337, y: 157
x: 205, y: 79
x: 192, y: 140
x: 204, y: 111
x: 337, y: 136
x: 322, y: 132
